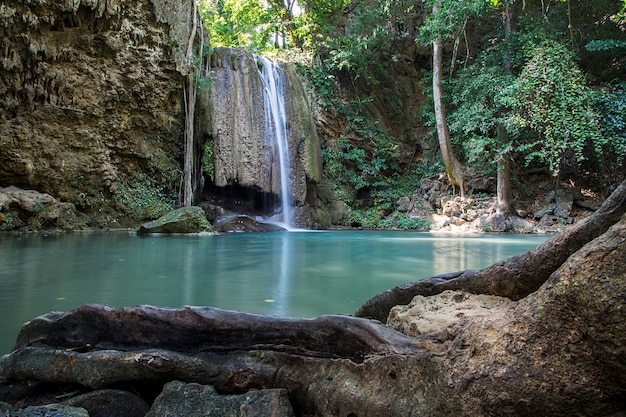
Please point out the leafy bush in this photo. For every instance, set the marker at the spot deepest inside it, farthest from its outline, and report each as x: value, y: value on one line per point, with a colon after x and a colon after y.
x: 141, y: 199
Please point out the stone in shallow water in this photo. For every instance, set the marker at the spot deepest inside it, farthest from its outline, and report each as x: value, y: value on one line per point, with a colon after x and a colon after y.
x: 184, y: 220
x: 196, y: 400
x: 245, y: 224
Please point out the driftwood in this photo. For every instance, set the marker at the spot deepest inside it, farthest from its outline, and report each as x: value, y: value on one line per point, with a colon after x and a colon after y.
x: 560, y: 350
x: 515, y: 277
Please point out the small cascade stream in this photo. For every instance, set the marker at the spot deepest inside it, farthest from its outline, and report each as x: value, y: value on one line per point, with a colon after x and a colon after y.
x: 276, y: 129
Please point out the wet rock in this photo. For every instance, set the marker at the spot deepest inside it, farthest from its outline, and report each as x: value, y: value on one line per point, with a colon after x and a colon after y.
x: 184, y: 220
x: 196, y: 400
x: 244, y: 223
x: 52, y: 410
x: 243, y: 155
x: 110, y: 403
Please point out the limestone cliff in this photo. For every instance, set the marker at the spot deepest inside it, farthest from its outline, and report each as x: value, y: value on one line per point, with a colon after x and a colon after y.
x: 91, y: 102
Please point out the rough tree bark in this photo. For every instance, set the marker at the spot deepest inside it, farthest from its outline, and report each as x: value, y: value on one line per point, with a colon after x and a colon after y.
x: 560, y: 350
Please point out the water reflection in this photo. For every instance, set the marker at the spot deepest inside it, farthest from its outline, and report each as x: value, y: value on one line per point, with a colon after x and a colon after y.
x: 300, y: 274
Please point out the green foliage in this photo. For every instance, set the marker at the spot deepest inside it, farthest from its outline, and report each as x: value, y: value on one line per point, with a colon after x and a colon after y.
x: 141, y: 198
x: 237, y: 23
x: 552, y: 101
x: 358, y: 49
x: 610, y: 104
x: 621, y: 13
x: 476, y: 100
x: 450, y: 18
x: 605, y: 45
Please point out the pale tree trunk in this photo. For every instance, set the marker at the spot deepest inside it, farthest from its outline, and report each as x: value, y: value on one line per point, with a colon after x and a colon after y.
x: 452, y: 164
x: 504, y: 189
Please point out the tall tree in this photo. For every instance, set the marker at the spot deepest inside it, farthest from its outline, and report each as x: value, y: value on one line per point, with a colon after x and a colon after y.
x: 504, y: 200
x: 452, y: 164
x: 440, y: 25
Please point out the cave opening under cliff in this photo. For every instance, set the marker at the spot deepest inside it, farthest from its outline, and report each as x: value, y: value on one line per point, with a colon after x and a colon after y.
x: 239, y: 199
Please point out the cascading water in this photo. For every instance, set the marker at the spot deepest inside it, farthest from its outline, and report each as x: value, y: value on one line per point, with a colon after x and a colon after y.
x: 276, y: 128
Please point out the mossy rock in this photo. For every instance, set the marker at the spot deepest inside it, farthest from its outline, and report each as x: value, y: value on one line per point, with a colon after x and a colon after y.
x: 184, y: 220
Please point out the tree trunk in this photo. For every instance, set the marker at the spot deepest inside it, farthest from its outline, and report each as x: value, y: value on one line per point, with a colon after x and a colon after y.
x: 452, y: 164
x: 558, y: 351
x: 190, y: 106
x: 504, y: 200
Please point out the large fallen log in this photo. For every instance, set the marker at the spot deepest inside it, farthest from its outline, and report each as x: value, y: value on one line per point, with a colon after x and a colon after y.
x: 515, y: 277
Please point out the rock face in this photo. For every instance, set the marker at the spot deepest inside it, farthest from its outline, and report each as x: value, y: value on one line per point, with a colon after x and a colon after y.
x: 90, y: 97
x: 31, y: 210
x: 196, y: 400
x: 242, y: 151
x: 184, y: 220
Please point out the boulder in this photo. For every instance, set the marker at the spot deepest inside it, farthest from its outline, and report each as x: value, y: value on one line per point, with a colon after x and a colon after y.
x: 244, y: 223
x: 492, y: 223
x: 55, y: 410
x: 184, y: 220
x: 110, y: 403
x: 196, y: 400
x: 32, y: 210
x: 564, y: 202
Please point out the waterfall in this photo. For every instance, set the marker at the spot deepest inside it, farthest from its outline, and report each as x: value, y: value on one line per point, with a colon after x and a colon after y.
x: 276, y: 128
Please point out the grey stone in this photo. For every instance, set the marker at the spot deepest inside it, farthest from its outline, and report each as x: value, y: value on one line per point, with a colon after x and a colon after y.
x: 110, y: 403
x: 196, y: 400
x: 564, y: 202
x: 244, y: 223
x: 52, y: 410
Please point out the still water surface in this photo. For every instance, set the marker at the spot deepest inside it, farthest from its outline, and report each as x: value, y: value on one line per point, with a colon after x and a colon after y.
x: 298, y: 274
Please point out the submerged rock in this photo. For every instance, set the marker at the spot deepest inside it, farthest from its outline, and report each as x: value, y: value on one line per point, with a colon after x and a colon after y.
x: 244, y: 223
x: 184, y: 220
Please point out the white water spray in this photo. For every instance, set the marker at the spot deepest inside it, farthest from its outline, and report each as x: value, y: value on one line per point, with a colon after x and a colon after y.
x: 276, y: 126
